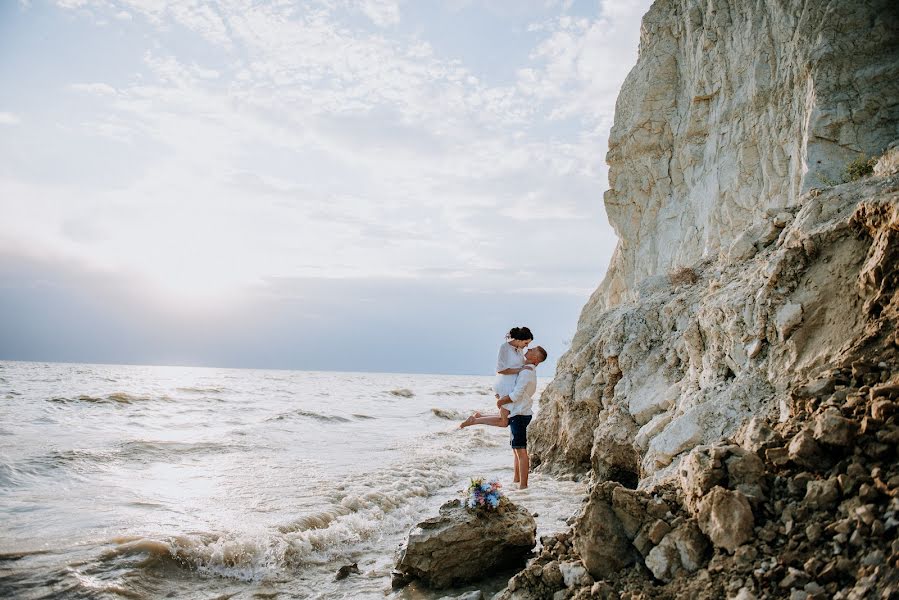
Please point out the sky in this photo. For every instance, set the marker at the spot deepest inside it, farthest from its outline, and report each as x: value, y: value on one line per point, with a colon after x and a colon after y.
x: 353, y: 185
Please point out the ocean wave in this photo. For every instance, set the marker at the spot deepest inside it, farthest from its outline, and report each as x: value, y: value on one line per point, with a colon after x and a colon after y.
x: 309, y: 414
x: 114, y: 398
x: 449, y: 414
x: 401, y: 393
x: 201, y: 390
x: 359, y: 513
x: 77, y: 461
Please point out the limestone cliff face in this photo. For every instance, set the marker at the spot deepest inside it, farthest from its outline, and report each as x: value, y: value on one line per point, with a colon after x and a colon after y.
x: 735, y: 118
x: 736, y: 108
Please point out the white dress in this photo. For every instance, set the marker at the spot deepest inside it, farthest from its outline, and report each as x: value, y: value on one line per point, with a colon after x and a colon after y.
x: 509, y: 357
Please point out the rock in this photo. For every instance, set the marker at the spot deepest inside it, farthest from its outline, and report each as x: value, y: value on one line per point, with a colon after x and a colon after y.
x: 613, y: 455
x: 777, y: 456
x: 603, y: 591
x: 726, y: 465
x: 782, y: 219
x: 888, y: 163
x: 475, y: 595
x: 818, y: 387
x: 657, y: 531
x: 574, y: 574
x: 345, y: 571
x: 832, y: 428
x: 881, y: 409
x: 742, y: 248
x: 788, y: 318
x: 758, y: 435
x: 746, y: 473
x: 822, y: 493
x: 552, y: 574
x: 460, y: 545
x: 726, y: 517
x: 671, y: 198
x: 805, y: 451
x: 681, y: 551
x: 599, y: 537
x: 744, y: 593
x: 700, y: 471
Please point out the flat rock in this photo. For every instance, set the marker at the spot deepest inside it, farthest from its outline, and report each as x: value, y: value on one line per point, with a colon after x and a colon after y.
x: 461, y: 545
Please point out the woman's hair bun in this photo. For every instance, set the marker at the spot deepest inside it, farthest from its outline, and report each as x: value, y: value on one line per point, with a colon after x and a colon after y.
x: 520, y: 333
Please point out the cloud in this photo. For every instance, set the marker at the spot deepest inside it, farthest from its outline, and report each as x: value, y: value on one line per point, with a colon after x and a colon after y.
x: 7, y: 118
x: 232, y: 146
x: 381, y: 12
x: 583, y: 62
x: 97, y: 89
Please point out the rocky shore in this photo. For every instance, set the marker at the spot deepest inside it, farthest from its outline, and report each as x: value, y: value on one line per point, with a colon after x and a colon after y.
x: 807, y: 508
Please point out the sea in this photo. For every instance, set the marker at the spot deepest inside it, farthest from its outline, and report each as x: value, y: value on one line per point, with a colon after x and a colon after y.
x: 175, y: 482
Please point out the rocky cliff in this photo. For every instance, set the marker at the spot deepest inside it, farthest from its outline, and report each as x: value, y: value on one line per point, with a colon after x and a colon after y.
x: 735, y: 109
x: 741, y: 355
x: 735, y: 274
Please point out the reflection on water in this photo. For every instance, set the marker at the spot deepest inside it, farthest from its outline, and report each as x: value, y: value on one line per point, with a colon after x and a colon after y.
x: 142, y: 482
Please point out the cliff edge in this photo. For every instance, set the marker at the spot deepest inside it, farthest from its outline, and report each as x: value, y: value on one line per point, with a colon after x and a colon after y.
x: 735, y: 378
x: 735, y: 273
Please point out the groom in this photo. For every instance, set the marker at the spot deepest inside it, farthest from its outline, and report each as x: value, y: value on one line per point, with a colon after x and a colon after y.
x: 518, y: 403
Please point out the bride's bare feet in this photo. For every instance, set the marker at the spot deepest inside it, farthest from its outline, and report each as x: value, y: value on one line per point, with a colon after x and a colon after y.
x: 468, y: 421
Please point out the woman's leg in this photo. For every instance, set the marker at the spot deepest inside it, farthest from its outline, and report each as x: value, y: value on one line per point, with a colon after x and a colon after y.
x: 497, y: 421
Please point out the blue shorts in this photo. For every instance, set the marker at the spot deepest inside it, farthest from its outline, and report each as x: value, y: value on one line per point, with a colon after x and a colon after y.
x: 518, y: 428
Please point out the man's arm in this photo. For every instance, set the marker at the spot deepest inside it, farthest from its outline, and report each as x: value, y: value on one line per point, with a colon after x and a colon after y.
x: 527, y: 376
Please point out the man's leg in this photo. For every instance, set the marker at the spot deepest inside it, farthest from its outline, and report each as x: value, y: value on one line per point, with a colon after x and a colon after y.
x: 524, y: 465
x: 517, y: 476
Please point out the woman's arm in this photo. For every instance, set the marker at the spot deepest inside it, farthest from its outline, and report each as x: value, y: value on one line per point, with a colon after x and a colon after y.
x: 509, y: 372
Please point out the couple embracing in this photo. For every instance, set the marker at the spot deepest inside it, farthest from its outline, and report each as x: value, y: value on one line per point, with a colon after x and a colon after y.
x: 516, y: 383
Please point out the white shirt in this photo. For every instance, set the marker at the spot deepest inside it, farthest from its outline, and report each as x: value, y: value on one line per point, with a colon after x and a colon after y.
x: 509, y: 357
x: 523, y: 395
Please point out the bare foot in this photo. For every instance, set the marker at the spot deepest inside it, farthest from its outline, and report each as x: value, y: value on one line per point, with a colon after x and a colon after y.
x: 467, y: 422
x: 522, y: 487
x: 477, y: 415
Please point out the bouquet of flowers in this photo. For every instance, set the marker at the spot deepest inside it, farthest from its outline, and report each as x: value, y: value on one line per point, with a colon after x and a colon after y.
x: 484, y: 494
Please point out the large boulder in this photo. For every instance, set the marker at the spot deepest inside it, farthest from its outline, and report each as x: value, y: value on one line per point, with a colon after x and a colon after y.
x: 605, y: 527
x: 462, y: 545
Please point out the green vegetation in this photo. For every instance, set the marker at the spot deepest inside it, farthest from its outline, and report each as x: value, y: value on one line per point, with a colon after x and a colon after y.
x: 859, y: 168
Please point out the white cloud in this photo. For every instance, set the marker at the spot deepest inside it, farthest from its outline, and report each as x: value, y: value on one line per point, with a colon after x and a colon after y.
x: 311, y: 147
x: 98, y: 89
x: 381, y: 12
x: 7, y: 118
